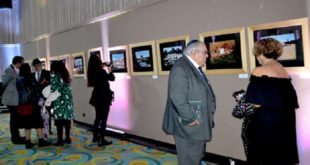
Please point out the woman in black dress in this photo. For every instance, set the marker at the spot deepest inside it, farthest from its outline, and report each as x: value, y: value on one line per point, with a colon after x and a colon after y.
x: 98, y: 76
x: 271, y: 133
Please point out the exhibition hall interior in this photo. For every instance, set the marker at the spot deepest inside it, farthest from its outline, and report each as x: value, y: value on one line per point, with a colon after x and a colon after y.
x: 141, y: 40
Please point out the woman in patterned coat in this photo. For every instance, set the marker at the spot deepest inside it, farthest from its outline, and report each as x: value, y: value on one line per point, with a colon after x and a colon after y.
x: 63, y: 105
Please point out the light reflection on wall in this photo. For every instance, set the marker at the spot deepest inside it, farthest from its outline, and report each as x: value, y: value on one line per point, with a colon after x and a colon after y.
x: 7, y: 52
x: 120, y: 116
x: 301, y: 85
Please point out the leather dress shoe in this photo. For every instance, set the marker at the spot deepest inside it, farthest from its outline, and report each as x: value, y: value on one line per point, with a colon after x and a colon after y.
x: 68, y: 140
x: 20, y: 140
x: 103, y: 142
x: 28, y: 144
x: 59, y: 143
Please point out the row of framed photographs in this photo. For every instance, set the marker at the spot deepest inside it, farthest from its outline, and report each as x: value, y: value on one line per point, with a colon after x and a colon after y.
x: 227, y: 51
x: 228, y: 47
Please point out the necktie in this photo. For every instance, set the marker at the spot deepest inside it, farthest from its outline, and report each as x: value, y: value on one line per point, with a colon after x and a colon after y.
x: 38, y: 76
x: 202, y: 74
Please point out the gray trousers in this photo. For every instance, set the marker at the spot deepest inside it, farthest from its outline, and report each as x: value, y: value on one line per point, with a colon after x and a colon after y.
x: 189, y: 152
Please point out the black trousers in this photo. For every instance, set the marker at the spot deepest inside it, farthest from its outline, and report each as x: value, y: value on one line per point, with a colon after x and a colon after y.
x: 100, y: 123
x: 14, y: 123
x: 60, y: 124
x: 50, y: 118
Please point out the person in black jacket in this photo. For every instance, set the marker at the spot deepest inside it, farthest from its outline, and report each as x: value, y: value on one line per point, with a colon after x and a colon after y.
x: 43, y: 78
x: 41, y: 75
x: 98, y: 75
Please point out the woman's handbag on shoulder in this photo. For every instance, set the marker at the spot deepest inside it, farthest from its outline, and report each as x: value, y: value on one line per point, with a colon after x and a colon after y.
x: 24, y: 110
x: 242, y: 109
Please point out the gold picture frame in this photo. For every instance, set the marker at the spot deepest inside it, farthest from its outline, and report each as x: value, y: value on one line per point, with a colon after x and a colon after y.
x: 293, y: 33
x: 142, y: 58
x: 98, y: 51
x: 227, y: 51
x: 78, y: 64
x: 43, y: 62
x: 169, y: 50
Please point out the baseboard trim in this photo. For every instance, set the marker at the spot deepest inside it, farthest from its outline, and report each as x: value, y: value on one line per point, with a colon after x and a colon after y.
x: 163, y: 146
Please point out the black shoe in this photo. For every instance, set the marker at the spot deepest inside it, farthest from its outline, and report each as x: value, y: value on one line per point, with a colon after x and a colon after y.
x: 68, y: 140
x: 20, y: 140
x: 95, y: 139
x: 28, y: 144
x: 59, y: 143
x: 43, y: 143
x: 107, y: 142
x: 103, y: 142
x: 50, y: 132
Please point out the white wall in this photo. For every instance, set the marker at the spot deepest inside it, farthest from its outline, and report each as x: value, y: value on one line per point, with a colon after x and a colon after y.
x: 179, y: 17
x: 140, y: 100
x: 7, y: 52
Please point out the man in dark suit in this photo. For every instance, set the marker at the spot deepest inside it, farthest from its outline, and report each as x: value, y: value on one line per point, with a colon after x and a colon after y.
x: 10, y: 97
x: 190, y: 105
x: 43, y: 78
x: 41, y: 75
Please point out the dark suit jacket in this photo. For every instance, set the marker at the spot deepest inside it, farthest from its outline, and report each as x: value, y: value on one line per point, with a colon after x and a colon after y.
x: 45, y: 74
x: 188, y: 93
x: 102, y: 94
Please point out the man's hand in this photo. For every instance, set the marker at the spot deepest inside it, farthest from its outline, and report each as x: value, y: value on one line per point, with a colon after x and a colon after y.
x: 193, y: 123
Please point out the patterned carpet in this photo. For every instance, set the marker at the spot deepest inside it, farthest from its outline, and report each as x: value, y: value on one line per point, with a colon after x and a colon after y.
x: 81, y: 151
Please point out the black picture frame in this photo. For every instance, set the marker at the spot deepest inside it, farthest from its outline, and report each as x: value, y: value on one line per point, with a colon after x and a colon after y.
x: 227, y: 51
x: 118, y: 60
x: 294, y: 36
x: 291, y: 37
x: 142, y: 58
x: 169, y: 51
x: 78, y: 64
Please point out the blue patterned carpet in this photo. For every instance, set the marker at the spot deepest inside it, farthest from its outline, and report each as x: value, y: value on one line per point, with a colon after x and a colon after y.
x: 81, y: 151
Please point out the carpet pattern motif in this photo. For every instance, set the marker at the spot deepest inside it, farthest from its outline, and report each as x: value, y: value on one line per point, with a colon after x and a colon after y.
x: 81, y: 151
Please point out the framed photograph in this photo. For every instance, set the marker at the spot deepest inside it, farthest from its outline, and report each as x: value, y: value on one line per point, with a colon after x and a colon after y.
x: 43, y: 63
x: 95, y: 51
x: 66, y: 60
x: 142, y: 58
x: 227, y: 51
x: 78, y: 64
x: 169, y: 50
x: 294, y: 36
x: 118, y: 59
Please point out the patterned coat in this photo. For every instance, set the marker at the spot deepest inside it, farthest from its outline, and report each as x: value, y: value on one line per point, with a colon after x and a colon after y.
x: 63, y: 105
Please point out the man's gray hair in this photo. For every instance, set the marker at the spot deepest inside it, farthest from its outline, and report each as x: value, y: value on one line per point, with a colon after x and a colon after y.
x: 192, y: 46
